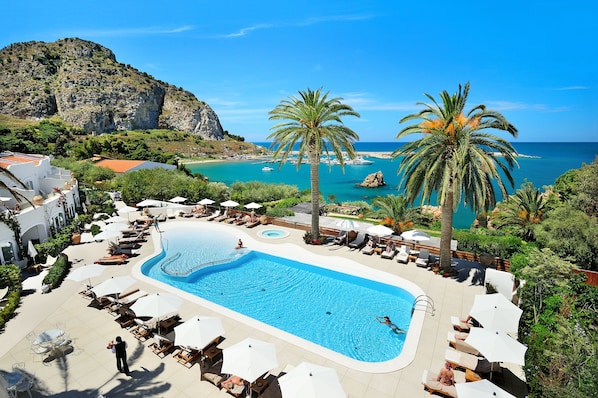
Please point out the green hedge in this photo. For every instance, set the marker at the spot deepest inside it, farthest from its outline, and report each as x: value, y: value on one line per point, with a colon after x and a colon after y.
x: 58, y: 272
x: 481, y: 241
x: 10, y: 275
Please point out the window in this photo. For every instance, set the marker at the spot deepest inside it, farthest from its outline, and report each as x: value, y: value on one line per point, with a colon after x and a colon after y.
x: 8, y: 253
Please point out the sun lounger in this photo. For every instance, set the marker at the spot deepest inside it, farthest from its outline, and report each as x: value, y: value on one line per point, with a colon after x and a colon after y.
x: 110, y: 260
x: 126, y: 319
x: 476, y: 365
x: 456, y: 340
x: 389, y: 252
x: 403, y: 254
x: 254, y: 223
x: 360, y: 241
x: 460, y: 325
x: 371, y: 246
x: 187, y: 356
x: 214, y: 215
x: 423, y: 258
x: 144, y: 329
x: 243, y: 220
x: 431, y: 383
x: 162, y: 344
x: 341, y: 238
x: 222, y: 217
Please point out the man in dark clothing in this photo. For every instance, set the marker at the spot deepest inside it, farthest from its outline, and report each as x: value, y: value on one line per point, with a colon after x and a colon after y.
x: 120, y: 349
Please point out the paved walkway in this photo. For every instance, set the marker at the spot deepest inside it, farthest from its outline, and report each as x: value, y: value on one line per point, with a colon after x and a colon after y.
x: 90, y: 370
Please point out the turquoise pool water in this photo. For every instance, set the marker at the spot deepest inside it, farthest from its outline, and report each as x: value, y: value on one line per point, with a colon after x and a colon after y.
x: 332, y: 309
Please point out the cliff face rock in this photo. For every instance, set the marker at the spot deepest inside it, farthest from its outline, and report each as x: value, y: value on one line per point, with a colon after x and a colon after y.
x: 82, y: 82
x: 373, y: 180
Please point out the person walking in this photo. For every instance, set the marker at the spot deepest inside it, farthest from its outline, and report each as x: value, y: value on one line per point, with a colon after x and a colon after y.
x: 120, y: 350
x: 156, y: 224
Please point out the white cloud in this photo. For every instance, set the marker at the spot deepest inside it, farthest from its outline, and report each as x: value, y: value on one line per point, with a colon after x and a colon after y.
x: 142, y: 31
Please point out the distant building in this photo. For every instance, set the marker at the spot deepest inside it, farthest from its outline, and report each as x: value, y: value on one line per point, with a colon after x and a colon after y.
x: 41, y: 198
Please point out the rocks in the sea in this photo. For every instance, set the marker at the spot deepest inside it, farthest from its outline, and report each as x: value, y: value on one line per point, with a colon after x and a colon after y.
x: 373, y: 180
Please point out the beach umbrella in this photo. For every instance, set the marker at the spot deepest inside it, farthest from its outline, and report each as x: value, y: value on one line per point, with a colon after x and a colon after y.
x: 100, y: 215
x: 496, y: 345
x: 311, y: 381
x: 116, y: 219
x: 415, y: 235
x: 118, y: 226
x: 86, y: 272
x: 104, y: 235
x: 114, y: 285
x: 205, y: 202
x: 495, y: 311
x: 198, y: 332
x: 481, y: 389
x: 157, y: 305
x: 229, y: 203
x: 348, y: 225
x: 177, y: 199
x: 31, y: 250
x: 86, y: 237
x: 149, y: 203
x: 249, y: 359
x: 127, y: 209
x: 380, y: 230
x: 253, y: 206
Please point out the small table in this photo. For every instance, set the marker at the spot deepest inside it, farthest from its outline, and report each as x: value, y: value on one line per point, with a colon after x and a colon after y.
x: 378, y: 250
x: 12, y: 379
x: 49, y: 336
x: 211, y: 354
x: 259, y: 385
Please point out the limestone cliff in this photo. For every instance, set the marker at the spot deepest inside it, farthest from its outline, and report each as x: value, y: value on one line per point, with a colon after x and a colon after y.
x: 82, y: 82
x: 373, y: 180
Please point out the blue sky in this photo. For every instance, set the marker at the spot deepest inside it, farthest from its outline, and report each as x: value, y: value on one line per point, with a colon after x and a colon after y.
x: 533, y: 61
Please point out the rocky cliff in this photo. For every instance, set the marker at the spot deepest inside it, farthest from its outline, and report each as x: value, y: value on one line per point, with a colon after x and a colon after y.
x: 82, y: 82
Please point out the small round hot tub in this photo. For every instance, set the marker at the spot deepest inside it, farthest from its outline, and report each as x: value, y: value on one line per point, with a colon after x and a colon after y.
x: 272, y: 233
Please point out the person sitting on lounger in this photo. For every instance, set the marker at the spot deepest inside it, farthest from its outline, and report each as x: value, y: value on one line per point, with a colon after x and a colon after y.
x: 471, y: 321
x: 386, y: 321
x: 239, y: 244
x: 232, y: 381
x: 446, y: 375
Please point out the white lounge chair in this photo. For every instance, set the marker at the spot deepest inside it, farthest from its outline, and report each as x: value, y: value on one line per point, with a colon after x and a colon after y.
x: 403, y: 255
x: 214, y: 215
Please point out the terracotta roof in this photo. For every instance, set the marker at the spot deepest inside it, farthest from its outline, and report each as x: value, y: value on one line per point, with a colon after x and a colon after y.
x: 119, y: 166
x: 10, y: 158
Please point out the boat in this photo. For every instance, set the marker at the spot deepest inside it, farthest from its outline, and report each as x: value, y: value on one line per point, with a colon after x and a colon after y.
x: 266, y: 168
x: 359, y: 161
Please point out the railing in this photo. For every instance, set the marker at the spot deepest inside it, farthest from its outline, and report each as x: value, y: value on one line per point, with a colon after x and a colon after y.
x: 423, y: 303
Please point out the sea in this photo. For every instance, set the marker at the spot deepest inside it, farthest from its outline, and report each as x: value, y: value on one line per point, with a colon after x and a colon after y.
x: 539, y: 162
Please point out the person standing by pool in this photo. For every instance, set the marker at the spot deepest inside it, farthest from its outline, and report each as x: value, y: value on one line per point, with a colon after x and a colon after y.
x: 239, y: 244
x: 156, y: 223
x: 386, y: 321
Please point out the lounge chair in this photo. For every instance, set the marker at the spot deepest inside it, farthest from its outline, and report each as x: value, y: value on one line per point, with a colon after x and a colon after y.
x: 162, y: 344
x: 341, y: 238
x: 144, y: 329
x: 111, y: 260
x: 243, y: 220
x: 456, y: 340
x: 214, y: 215
x: 230, y: 386
x: 423, y: 258
x: 431, y: 383
x: 370, y: 246
x: 222, y: 217
x: 214, y: 374
x: 187, y: 356
x: 124, y: 302
x: 170, y: 213
x: 390, y: 251
x: 460, y: 325
x: 139, y: 237
x: 233, y: 219
x: 360, y: 241
x: 403, y: 254
x: 253, y: 222
x: 126, y: 319
x: 473, y: 365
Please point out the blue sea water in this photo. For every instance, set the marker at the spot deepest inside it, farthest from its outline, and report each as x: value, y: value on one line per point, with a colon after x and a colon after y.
x: 545, y: 163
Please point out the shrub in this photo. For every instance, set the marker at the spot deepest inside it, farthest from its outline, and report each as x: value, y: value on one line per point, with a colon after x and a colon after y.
x: 10, y: 276
x: 58, y: 271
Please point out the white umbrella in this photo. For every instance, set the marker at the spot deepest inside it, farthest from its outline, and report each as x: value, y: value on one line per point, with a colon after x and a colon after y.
x: 249, y: 359
x: 114, y: 285
x: 157, y: 305
x: 495, y: 311
x: 229, y: 203
x: 149, y: 202
x: 106, y: 235
x: 198, y: 332
x: 415, y: 235
x: 127, y: 209
x: 4, y: 198
x: 380, y: 230
x: 253, y: 206
x: 116, y: 219
x: 86, y: 272
x: 347, y: 225
x: 309, y: 380
x: 117, y: 226
x: 100, y: 215
x: 31, y: 250
x: 496, y: 346
x: 481, y: 389
x: 205, y: 202
x: 177, y: 199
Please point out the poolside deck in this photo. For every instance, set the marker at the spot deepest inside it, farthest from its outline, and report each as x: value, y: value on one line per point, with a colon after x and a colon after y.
x: 89, y: 370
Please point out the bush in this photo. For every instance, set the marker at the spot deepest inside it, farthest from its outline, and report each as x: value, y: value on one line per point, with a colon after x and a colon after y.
x: 279, y: 212
x: 10, y: 276
x: 58, y: 272
x: 487, y: 241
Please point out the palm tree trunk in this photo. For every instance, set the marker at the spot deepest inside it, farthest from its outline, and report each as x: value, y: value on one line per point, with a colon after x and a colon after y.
x: 446, y: 231
x: 314, y: 174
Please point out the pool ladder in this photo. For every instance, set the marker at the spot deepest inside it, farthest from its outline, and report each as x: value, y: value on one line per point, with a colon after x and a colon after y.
x: 423, y: 303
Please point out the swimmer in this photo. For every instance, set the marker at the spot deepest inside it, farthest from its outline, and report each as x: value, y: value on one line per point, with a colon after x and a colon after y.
x: 386, y: 321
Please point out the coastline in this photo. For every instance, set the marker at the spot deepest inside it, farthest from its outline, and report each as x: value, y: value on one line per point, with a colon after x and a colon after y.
x: 369, y: 154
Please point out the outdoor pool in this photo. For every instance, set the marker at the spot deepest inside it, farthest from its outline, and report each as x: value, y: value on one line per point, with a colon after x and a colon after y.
x: 273, y: 233
x: 332, y: 309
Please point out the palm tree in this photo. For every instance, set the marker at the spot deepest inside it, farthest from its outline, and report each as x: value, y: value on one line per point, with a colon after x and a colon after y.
x: 394, y: 208
x: 313, y: 122
x: 455, y: 158
x: 521, y: 212
x: 15, y: 183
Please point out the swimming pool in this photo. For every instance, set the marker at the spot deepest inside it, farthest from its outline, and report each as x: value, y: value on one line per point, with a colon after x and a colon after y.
x: 280, y: 292
x: 273, y: 233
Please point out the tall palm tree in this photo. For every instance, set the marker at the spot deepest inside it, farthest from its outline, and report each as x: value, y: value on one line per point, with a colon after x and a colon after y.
x: 14, y: 182
x: 394, y: 208
x: 521, y: 212
x: 313, y: 122
x: 455, y: 158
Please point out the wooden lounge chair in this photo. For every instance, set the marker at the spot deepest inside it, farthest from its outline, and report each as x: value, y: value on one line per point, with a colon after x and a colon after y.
x: 144, y: 329
x: 253, y: 223
x: 126, y: 319
x: 403, y: 254
x: 230, y: 386
x: 110, y: 260
x: 221, y: 217
x: 456, y: 340
x: 431, y: 383
x: 423, y: 258
x: 473, y: 365
x: 460, y: 325
x: 187, y: 356
x: 162, y: 344
x: 213, y: 216
x: 243, y: 220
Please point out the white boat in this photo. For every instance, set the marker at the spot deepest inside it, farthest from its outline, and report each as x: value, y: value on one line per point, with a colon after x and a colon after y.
x: 266, y: 168
x: 359, y: 161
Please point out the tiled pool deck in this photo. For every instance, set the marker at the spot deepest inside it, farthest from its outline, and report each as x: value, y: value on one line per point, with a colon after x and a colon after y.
x: 89, y: 370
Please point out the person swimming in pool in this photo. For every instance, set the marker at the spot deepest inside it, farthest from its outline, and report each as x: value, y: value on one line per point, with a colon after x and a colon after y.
x: 386, y: 321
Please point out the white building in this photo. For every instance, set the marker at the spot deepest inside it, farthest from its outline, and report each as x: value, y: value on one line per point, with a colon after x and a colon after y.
x: 53, y: 191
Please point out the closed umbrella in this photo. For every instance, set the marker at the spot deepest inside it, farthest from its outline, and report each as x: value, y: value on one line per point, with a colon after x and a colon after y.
x: 380, y: 230
x: 157, y: 305
x: 309, y: 380
x: 481, y: 389
x: 114, y: 285
x: 86, y: 272
x: 495, y: 311
x: 415, y: 235
x: 205, y: 202
x: 198, y: 332
x: 249, y: 359
x: 496, y: 345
